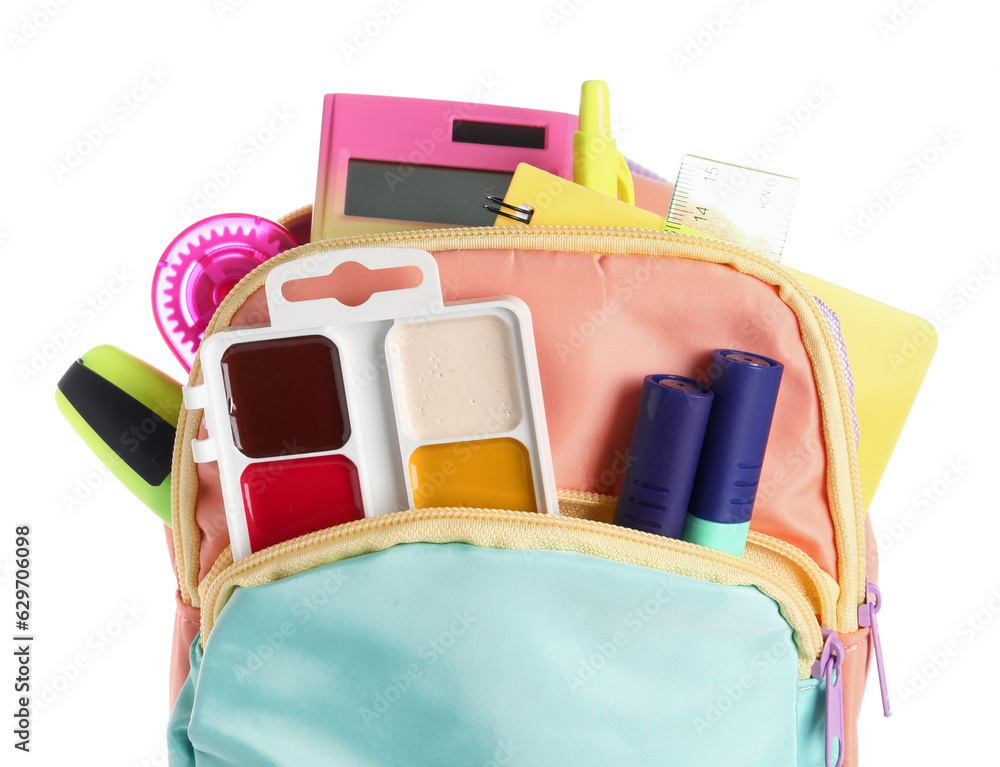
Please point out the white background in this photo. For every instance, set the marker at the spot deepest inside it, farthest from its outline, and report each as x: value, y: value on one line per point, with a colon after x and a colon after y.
x: 897, y: 75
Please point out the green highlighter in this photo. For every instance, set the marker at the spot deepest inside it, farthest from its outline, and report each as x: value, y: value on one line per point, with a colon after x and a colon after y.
x: 126, y: 411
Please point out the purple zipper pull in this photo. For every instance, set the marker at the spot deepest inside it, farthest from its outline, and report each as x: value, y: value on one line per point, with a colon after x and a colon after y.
x: 828, y: 668
x: 866, y: 619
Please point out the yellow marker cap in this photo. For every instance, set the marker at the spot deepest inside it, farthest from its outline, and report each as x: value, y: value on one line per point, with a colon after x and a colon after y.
x: 595, y: 108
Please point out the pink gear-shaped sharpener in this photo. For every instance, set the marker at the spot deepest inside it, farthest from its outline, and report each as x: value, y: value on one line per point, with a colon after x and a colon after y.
x: 201, y: 266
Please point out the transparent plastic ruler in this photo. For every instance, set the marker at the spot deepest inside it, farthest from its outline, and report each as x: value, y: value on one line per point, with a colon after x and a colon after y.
x: 741, y: 205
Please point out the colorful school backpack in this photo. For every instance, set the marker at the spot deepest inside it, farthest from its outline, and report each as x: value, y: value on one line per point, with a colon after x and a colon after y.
x: 480, y: 636
x: 456, y: 632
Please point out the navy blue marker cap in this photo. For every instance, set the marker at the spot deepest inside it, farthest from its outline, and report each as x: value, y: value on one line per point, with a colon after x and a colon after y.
x: 725, y: 485
x: 663, y: 456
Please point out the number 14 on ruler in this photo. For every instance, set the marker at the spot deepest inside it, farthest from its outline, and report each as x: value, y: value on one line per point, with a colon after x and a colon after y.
x: 742, y: 205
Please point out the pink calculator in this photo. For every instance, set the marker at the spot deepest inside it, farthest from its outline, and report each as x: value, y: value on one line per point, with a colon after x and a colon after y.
x: 389, y: 164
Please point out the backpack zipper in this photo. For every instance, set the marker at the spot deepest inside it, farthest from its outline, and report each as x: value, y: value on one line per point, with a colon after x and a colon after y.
x: 867, y: 619
x: 781, y: 558
x: 843, y: 486
x: 512, y: 530
x: 778, y: 557
x: 828, y: 669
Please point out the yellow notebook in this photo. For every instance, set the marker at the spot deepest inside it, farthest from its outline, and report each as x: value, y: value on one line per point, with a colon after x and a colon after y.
x: 538, y: 198
x: 889, y: 351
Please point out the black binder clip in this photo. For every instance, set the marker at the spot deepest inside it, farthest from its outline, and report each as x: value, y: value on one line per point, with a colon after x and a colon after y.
x: 522, y: 213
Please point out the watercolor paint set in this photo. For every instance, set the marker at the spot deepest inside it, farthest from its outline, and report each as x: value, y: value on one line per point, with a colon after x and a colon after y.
x: 336, y: 412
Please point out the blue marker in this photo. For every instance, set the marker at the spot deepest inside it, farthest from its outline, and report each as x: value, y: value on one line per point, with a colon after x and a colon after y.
x: 725, y: 485
x: 669, y: 429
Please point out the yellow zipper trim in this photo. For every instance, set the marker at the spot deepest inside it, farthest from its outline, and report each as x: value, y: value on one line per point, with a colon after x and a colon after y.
x: 593, y: 506
x: 512, y: 530
x: 843, y: 473
x: 781, y: 558
x: 796, y: 567
x: 297, y: 216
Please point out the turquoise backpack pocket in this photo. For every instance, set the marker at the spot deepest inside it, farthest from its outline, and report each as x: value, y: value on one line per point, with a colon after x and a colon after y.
x: 451, y: 653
